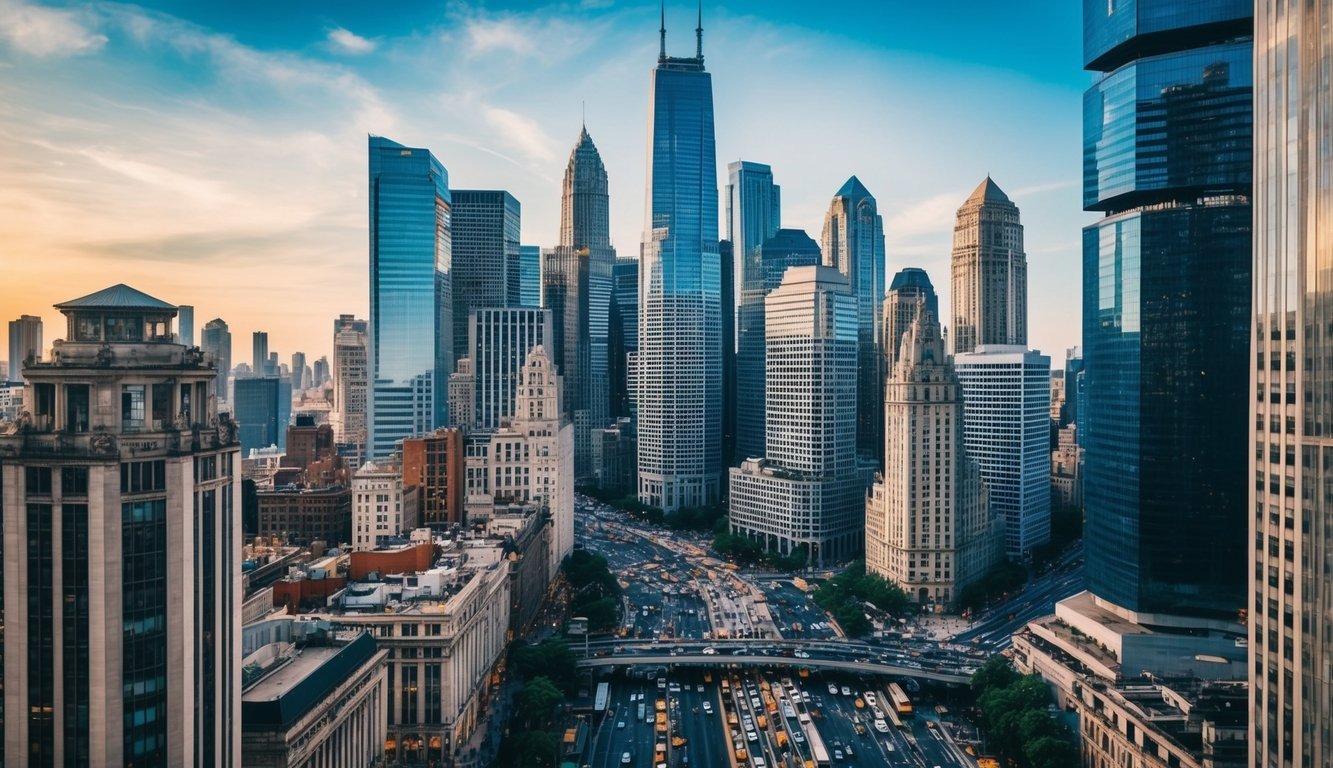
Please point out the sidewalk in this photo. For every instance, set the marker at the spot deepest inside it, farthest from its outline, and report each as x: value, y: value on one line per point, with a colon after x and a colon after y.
x: 938, y: 627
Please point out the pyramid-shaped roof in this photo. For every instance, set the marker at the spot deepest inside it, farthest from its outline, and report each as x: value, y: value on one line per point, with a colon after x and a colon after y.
x: 853, y: 188
x: 118, y: 296
x: 988, y: 192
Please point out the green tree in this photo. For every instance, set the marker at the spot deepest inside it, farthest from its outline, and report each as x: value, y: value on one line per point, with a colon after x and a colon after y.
x: 601, y: 612
x: 552, y: 659
x: 852, y: 620
x: 1051, y: 752
x: 528, y: 749
x: 535, y: 704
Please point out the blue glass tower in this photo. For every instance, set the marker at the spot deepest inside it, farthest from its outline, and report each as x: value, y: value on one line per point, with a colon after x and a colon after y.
x: 411, y: 308
x: 680, y: 288
x: 1166, y: 304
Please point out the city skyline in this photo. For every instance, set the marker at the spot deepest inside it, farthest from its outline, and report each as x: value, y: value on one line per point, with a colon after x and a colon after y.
x: 291, y: 104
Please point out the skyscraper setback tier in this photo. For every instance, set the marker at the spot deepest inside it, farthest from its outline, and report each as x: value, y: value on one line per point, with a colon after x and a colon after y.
x: 680, y: 325
x: 853, y: 242
x: 909, y: 286
x: 122, y: 537
x: 990, y: 272
x: 1291, y: 497
x: 577, y: 284
x: 411, y: 294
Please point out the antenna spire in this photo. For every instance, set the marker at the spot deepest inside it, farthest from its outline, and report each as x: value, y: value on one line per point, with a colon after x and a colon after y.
x: 662, y: 52
x: 699, y: 33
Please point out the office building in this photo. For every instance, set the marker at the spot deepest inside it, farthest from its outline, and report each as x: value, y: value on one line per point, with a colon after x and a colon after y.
x: 261, y: 359
x: 349, y: 381
x: 25, y: 343
x: 990, y: 272
x: 410, y: 349
x: 929, y: 528
x: 487, y: 270
x: 529, y: 276
x: 909, y: 286
x: 787, y: 248
x: 216, y: 345
x: 383, y: 508
x: 679, y: 397
x: 622, y: 333
x: 434, y: 464
x: 1067, y: 471
x: 122, y: 534
x: 1291, y: 586
x: 576, y: 288
x: 300, y: 372
x: 1007, y: 431
x: 262, y: 408
x: 300, y: 516
x: 615, y: 457
x: 498, y: 342
x: 319, y: 370
x: 185, y: 324
x: 806, y: 495
x: 853, y: 243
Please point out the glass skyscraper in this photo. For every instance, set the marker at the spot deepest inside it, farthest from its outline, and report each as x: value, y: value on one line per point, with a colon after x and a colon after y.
x: 530, y: 275
x: 487, y: 270
x: 411, y: 309
x: 623, y: 322
x: 1291, y: 504
x: 1166, y: 297
x: 853, y: 243
x: 680, y: 287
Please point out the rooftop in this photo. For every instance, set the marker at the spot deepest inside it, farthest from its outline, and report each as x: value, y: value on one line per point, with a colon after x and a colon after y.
x: 987, y: 192
x: 118, y: 296
x: 305, y: 680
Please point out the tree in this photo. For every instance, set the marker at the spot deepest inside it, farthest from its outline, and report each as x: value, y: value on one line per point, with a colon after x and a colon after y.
x: 535, y: 704
x: 1051, y: 752
x: 552, y: 659
x: 852, y: 620
x: 600, y: 612
x: 528, y: 749
x: 995, y: 673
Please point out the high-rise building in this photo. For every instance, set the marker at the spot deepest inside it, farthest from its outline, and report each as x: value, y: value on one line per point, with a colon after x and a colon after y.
x: 928, y: 524
x: 122, y: 538
x: 185, y: 324
x: 25, y: 343
x: 498, y: 343
x: 410, y: 349
x: 679, y: 397
x: 576, y: 288
x: 434, y: 465
x: 1166, y: 292
x: 853, y: 242
x: 806, y: 495
x: 909, y: 286
x: 216, y: 344
x: 1291, y: 689
x: 349, y: 381
x: 319, y: 371
x: 261, y: 358
x: 298, y: 372
x: 754, y: 213
x: 529, y: 276
x: 382, y: 506
x: 787, y: 248
x: 1007, y: 431
x: 487, y: 270
x: 990, y: 272
x: 623, y: 333
x: 262, y: 407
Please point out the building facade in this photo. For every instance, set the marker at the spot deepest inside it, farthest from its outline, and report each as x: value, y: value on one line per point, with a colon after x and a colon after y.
x: 1007, y: 431
x: 928, y: 524
x: 1290, y: 499
x: 300, y: 516
x: 434, y: 464
x: 260, y: 360
x: 623, y: 332
x: 185, y: 324
x: 990, y: 272
x: 216, y: 343
x: 411, y: 344
x: 498, y: 344
x: 679, y: 394
x: 25, y: 343
x: 853, y: 242
x: 262, y: 407
x: 487, y: 271
x: 122, y: 528
x: 382, y: 507
x: 530, y: 275
x: 909, y: 286
x: 349, y: 381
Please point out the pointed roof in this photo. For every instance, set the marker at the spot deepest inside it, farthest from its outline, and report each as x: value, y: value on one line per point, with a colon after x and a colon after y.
x: 988, y: 192
x: 853, y: 188
x: 118, y: 296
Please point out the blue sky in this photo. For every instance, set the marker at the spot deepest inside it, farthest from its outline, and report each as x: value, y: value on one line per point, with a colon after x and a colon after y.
x: 214, y: 153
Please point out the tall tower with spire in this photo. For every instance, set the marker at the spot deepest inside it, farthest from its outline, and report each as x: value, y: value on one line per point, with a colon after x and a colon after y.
x: 853, y: 243
x: 990, y: 272
x: 576, y: 287
x: 680, y: 288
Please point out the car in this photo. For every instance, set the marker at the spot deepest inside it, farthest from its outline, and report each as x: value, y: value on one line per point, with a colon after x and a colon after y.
x: 846, y: 691
x: 620, y: 726
x: 626, y: 758
x: 837, y: 754
x: 751, y: 736
x: 833, y: 689
x: 710, y: 651
x: 708, y: 707
x: 881, y: 725
x: 848, y: 750
x: 699, y: 688
x: 870, y: 698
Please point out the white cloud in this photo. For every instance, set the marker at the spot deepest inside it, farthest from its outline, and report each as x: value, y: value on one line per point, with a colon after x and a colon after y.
x: 521, y: 132
x: 47, y: 31
x: 485, y: 35
x: 350, y: 42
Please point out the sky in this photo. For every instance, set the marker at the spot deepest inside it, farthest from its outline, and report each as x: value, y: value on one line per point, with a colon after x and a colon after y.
x: 214, y: 154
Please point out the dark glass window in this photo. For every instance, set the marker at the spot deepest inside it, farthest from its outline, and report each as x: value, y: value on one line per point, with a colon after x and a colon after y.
x: 76, y: 408
x: 74, y: 622
x: 144, y: 644
x: 74, y: 481
x: 37, y: 481
x: 143, y: 476
x: 41, y: 636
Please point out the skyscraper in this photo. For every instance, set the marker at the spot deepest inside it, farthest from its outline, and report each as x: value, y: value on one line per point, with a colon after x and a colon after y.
x: 990, y: 272
x: 185, y: 324
x: 122, y: 538
x: 1291, y: 691
x: 530, y: 275
x: 853, y: 242
x: 787, y: 248
x: 909, y: 286
x: 487, y: 271
x: 753, y: 212
x: 576, y: 288
x: 499, y: 341
x: 679, y: 395
x: 928, y: 524
x: 262, y: 407
x: 806, y: 492
x: 1007, y: 431
x: 349, y: 381
x: 25, y: 342
x: 1166, y: 297
x: 411, y: 294
x: 298, y: 372
x: 216, y: 344
x: 623, y: 333
x: 261, y: 361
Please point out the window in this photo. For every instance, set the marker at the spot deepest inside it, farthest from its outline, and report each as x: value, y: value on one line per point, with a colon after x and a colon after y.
x: 74, y: 481
x: 142, y: 476
x: 131, y: 407
x: 162, y: 415
x: 76, y: 408
x: 37, y: 481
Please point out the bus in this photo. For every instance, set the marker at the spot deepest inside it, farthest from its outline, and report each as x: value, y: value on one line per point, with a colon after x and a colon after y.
x: 901, y: 704
x: 603, y: 694
x: 817, y: 749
